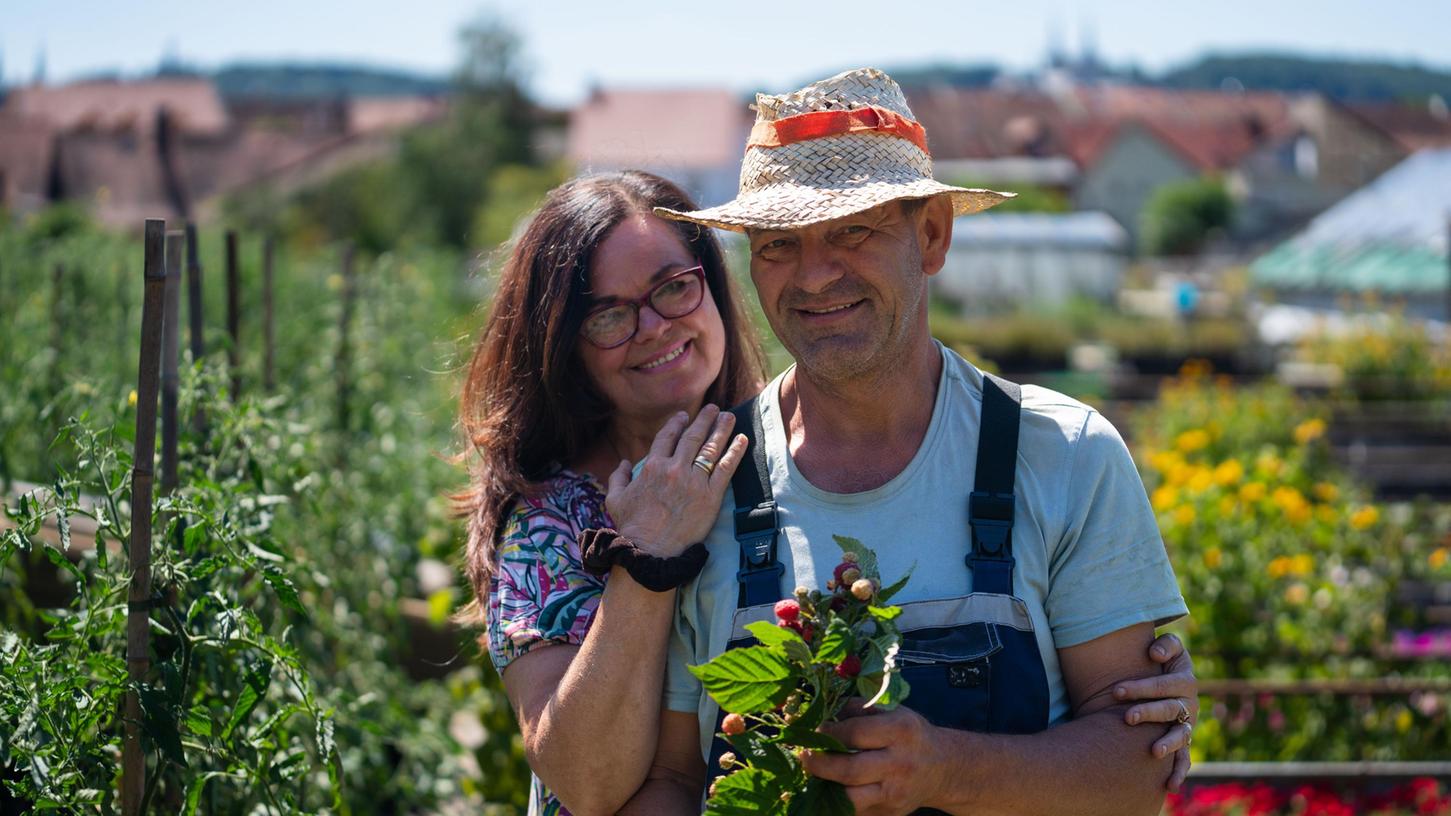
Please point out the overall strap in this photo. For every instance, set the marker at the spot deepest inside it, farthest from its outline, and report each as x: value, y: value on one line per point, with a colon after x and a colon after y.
x: 990, y: 508
x: 755, y: 517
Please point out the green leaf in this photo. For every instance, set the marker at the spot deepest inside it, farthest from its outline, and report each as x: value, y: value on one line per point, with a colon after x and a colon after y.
x: 769, y: 634
x: 866, y: 559
x: 836, y: 644
x: 813, y: 739
x: 884, y: 613
x: 283, y: 586
x: 885, y: 593
x: 821, y: 797
x: 160, y: 724
x: 253, y: 689
x: 194, y: 537
x: 194, y: 791
x: 747, y: 792
x: 749, y: 680
x: 893, y: 691
x: 199, y: 721
x: 761, y: 752
x: 772, y: 635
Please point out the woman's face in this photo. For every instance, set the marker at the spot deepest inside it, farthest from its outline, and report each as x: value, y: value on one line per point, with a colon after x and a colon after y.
x: 669, y: 364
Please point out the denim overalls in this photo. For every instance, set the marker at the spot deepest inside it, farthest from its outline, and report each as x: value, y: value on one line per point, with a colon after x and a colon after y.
x: 972, y: 660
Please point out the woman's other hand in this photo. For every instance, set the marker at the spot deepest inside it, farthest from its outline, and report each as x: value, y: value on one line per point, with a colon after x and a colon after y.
x: 673, y: 501
x: 1170, y: 697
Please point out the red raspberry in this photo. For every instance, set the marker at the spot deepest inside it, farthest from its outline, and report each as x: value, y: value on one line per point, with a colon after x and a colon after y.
x: 849, y: 667
x: 788, y: 610
x: 798, y: 627
x: 733, y: 725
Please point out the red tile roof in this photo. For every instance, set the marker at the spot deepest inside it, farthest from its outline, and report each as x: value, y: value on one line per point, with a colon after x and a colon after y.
x: 700, y: 128
x: 112, y: 105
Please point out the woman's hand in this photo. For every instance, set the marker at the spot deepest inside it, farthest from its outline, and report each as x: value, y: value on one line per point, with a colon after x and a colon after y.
x: 673, y: 501
x: 1171, y: 697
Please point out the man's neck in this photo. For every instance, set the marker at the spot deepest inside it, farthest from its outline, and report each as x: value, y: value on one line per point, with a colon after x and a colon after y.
x: 857, y: 436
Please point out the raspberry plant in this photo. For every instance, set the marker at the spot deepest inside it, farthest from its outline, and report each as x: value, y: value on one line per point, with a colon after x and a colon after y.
x: 823, y: 649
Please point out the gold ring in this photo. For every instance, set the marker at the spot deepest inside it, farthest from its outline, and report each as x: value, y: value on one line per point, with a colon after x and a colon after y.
x: 704, y: 464
x: 1183, y: 717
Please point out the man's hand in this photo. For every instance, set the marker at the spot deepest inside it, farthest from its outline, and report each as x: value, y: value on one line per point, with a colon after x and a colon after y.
x: 1170, y: 696
x: 897, y: 767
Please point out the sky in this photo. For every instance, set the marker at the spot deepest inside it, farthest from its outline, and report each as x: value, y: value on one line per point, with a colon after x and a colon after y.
x: 572, y: 46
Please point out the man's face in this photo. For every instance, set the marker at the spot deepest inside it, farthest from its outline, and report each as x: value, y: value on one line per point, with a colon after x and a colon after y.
x: 845, y: 296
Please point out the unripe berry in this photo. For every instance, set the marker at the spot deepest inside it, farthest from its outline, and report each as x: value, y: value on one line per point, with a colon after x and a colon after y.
x: 733, y: 725
x: 849, y: 667
x: 840, y: 572
x: 863, y: 589
x: 803, y: 595
x: 850, y: 576
x: 711, y: 790
x: 830, y: 585
x: 727, y: 760
x: 849, y: 557
x: 788, y: 610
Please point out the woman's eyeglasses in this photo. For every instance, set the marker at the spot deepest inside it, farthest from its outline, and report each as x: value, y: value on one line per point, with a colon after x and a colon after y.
x: 676, y: 296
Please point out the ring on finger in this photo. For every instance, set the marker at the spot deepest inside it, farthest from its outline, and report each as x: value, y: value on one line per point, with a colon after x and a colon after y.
x: 1183, y: 712
x: 704, y: 464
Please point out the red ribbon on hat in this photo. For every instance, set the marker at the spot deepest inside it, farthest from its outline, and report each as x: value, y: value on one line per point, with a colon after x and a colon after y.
x: 820, y: 124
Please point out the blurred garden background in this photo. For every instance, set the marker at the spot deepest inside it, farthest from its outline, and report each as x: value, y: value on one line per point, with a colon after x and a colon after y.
x: 1240, y: 256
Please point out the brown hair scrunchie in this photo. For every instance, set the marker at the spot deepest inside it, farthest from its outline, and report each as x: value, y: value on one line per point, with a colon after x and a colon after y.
x: 603, y: 548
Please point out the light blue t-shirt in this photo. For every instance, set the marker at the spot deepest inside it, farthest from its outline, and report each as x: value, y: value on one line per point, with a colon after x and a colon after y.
x: 1090, y: 560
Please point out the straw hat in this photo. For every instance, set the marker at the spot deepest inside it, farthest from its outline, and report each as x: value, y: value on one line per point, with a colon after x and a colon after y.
x: 834, y: 148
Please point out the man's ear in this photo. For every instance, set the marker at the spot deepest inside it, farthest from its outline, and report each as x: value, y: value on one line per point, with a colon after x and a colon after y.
x: 934, y: 232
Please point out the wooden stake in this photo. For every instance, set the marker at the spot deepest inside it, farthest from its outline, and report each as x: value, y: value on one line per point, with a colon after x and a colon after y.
x: 170, y: 341
x: 194, y: 318
x: 234, y: 316
x: 267, y: 336
x: 138, y: 608
x: 194, y: 291
x: 345, y: 351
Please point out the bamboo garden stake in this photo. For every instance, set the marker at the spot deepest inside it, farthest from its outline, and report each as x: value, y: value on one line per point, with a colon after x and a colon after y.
x: 138, y: 608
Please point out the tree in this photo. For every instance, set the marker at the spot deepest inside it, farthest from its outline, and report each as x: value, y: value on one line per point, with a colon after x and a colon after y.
x: 1181, y: 217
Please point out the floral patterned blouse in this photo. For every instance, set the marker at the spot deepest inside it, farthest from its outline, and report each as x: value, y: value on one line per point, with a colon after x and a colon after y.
x: 540, y: 593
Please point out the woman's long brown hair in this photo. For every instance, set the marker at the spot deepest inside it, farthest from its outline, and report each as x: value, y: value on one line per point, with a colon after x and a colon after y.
x: 527, y: 403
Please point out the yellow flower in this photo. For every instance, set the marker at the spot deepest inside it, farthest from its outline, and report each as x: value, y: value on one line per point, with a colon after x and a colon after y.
x: 1184, y: 514
x: 1278, y: 567
x: 1301, y: 564
x: 1293, y: 503
x: 1309, y: 430
x: 1213, y: 558
x: 1297, y: 593
x: 1438, y: 557
x: 1165, y: 461
x: 1403, y: 721
x: 1252, y: 492
x: 1192, y: 440
x: 1202, y: 480
x: 131, y: 398
x: 1364, y: 517
x: 1164, y: 497
x: 1268, y: 464
x: 1326, y: 492
x: 1226, y: 505
x: 1229, y: 472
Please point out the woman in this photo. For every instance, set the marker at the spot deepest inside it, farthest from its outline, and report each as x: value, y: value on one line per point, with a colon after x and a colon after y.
x: 608, y: 325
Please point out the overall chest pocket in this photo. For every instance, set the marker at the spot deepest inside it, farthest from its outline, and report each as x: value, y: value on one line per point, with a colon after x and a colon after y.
x: 950, y: 672
x: 973, y: 664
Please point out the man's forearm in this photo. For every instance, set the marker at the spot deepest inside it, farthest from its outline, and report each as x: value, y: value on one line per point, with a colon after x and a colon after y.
x: 1092, y: 765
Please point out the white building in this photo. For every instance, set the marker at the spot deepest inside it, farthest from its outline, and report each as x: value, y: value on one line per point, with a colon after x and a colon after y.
x: 1040, y: 258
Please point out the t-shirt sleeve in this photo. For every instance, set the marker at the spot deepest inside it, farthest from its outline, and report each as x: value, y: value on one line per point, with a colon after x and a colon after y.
x: 1109, y: 570
x: 540, y: 593
x: 682, y: 689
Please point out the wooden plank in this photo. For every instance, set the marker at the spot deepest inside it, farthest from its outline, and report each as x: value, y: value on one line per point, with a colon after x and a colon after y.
x: 1205, y: 772
x: 1373, y: 686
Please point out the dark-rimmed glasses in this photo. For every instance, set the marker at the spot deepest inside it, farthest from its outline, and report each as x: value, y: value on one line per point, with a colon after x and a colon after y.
x: 676, y: 296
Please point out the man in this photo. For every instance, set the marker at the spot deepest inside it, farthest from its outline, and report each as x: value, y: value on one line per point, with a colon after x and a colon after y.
x: 1039, y: 571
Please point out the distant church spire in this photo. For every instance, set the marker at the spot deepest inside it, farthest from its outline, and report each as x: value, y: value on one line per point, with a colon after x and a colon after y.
x: 39, y: 78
